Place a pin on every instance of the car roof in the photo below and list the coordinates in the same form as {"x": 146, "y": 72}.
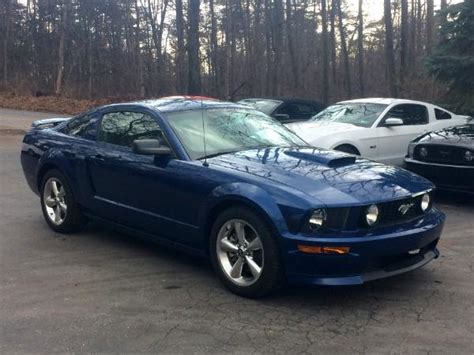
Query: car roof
{"x": 283, "y": 99}
{"x": 179, "y": 103}
{"x": 384, "y": 101}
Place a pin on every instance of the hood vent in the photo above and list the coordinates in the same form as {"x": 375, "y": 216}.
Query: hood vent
{"x": 329, "y": 158}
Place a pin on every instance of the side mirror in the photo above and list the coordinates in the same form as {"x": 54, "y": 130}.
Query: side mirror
{"x": 393, "y": 122}
{"x": 150, "y": 147}
{"x": 281, "y": 116}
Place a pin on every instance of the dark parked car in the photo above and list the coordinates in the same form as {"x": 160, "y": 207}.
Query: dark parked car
{"x": 286, "y": 110}
{"x": 249, "y": 194}
{"x": 446, "y": 157}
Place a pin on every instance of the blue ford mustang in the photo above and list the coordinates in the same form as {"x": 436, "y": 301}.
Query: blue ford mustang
{"x": 262, "y": 204}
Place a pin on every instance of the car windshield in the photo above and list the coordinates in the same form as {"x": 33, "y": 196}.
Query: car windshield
{"x": 358, "y": 114}
{"x": 265, "y": 105}
{"x": 229, "y": 130}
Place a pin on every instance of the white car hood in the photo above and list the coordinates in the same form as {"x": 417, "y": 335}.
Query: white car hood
{"x": 311, "y": 131}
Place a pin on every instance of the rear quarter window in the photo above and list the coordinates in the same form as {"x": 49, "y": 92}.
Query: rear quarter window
{"x": 442, "y": 115}
{"x": 82, "y": 126}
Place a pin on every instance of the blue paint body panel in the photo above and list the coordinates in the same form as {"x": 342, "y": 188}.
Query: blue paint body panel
{"x": 176, "y": 199}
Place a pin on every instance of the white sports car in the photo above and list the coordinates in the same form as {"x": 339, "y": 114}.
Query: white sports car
{"x": 375, "y": 128}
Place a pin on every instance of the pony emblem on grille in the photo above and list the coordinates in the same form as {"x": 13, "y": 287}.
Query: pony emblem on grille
{"x": 403, "y": 209}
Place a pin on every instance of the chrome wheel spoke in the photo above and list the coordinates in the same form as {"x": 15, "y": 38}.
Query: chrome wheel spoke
{"x": 50, "y": 202}
{"x": 240, "y": 231}
{"x": 63, "y": 207}
{"x": 57, "y": 214}
{"x": 253, "y": 266}
{"x": 228, "y": 246}
{"x": 236, "y": 270}
{"x": 255, "y": 244}
{"x": 54, "y": 188}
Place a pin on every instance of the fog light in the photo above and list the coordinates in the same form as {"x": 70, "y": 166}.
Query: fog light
{"x": 424, "y": 152}
{"x": 372, "y": 215}
{"x": 312, "y": 249}
{"x": 468, "y": 156}
{"x": 425, "y": 202}
{"x": 317, "y": 219}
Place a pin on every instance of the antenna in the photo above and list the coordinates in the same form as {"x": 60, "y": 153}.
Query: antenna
{"x": 205, "y": 163}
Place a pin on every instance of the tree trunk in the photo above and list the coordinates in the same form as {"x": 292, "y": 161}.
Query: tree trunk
{"x": 345, "y": 55}
{"x": 429, "y": 26}
{"x": 332, "y": 21}
{"x": 389, "y": 53}
{"x": 213, "y": 49}
{"x": 6, "y": 42}
{"x": 180, "y": 68}
{"x": 62, "y": 38}
{"x": 194, "y": 81}
{"x": 295, "y": 82}
{"x": 403, "y": 42}
{"x": 138, "y": 54}
{"x": 360, "y": 49}
{"x": 325, "y": 81}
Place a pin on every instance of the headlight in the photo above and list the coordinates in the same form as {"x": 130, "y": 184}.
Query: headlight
{"x": 468, "y": 156}
{"x": 372, "y": 215}
{"x": 317, "y": 219}
{"x": 425, "y": 202}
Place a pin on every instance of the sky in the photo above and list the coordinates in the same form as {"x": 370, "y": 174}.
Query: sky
{"x": 373, "y": 9}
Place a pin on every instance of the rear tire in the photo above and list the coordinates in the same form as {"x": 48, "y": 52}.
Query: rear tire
{"x": 245, "y": 254}
{"x": 60, "y": 210}
{"x": 347, "y": 148}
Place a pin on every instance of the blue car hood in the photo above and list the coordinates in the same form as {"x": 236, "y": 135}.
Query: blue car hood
{"x": 334, "y": 178}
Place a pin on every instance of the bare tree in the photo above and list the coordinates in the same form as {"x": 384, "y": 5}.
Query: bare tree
{"x": 360, "y": 48}
{"x": 389, "y": 52}
{"x": 194, "y": 78}
{"x": 325, "y": 81}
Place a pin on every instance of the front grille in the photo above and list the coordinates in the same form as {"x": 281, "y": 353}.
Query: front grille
{"x": 443, "y": 154}
{"x": 392, "y": 212}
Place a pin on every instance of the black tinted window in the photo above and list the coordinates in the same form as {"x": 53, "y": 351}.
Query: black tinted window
{"x": 410, "y": 114}
{"x": 83, "y": 126}
{"x": 442, "y": 115}
{"x": 122, "y": 128}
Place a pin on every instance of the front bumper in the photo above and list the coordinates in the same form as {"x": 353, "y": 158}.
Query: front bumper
{"x": 383, "y": 253}
{"x": 451, "y": 177}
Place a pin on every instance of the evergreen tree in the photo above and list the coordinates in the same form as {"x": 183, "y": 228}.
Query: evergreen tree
{"x": 452, "y": 61}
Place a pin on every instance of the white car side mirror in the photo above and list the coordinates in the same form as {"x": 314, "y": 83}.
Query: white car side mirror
{"x": 393, "y": 122}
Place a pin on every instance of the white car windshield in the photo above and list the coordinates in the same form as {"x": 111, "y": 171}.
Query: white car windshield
{"x": 229, "y": 130}
{"x": 359, "y": 114}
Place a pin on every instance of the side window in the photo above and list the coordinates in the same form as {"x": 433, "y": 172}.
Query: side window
{"x": 122, "y": 128}
{"x": 83, "y": 126}
{"x": 411, "y": 114}
{"x": 442, "y": 115}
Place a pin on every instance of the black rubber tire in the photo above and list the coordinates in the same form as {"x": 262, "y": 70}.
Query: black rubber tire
{"x": 75, "y": 220}
{"x": 347, "y": 148}
{"x": 273, "y": 275}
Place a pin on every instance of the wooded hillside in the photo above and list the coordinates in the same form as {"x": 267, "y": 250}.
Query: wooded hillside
{"x": 322, "y": 49}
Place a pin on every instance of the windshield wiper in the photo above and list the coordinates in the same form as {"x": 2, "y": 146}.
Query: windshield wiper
{"x": 213, "y": 155}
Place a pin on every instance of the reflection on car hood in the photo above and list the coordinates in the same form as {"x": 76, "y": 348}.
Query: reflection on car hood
{"x": 458, "y": 135}
{"x": 351, "y": 181}
{"x": 311, "y": 130}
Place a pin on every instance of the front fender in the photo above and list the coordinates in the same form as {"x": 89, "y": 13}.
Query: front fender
{"x": 223, "y": 196}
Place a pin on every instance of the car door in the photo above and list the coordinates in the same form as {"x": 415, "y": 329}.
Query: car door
{"x": 141, "y": 191}
{"x": 393, "y": 140}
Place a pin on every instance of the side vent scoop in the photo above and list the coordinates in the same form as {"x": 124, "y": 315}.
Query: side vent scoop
{"x": 329, "y": 158}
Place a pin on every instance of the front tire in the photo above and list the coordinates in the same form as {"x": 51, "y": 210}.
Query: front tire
{"x": 245, "y": 254}
{"x": 60, "y": 210}
{"x": 347, "y": 148}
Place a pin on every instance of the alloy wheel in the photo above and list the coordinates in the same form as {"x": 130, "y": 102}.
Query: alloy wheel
{"x": 240, "y": 252}
{"x": 54, "y": 201}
